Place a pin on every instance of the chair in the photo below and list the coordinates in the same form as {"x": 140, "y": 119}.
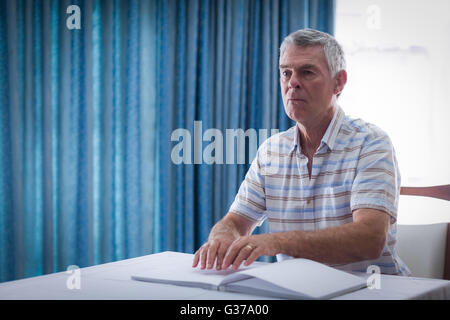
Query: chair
{"x": 426, "y": 248}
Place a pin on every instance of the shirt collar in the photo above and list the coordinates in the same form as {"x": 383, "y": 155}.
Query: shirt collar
{"x": 330, "y": 135}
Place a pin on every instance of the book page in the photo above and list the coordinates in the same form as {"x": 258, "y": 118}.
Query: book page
{"x": 256, "y": 286}
{"x": 305, "y": 277}
{"x": 176, "y": 268}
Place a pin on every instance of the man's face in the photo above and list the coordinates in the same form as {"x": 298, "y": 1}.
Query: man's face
{"x": 307, "y": 87}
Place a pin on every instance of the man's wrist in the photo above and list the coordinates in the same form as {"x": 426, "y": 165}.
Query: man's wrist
{"x": 223, "y": 229}
{"x": 277, "y": 241}
{"x": 287, "y": 242}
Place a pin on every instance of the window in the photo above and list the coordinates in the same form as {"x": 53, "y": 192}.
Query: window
{"x": 399, "y": 79}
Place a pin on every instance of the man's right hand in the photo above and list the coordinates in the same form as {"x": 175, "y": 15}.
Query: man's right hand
{"x": 222, "y": 235}
{"x": 212, "y": 252}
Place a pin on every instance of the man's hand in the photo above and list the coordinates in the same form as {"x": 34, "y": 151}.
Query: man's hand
{"x": 214, "y": 249}
{"x": 225, "y": 252}
{"x": 249, "y": 248}
{"x": 222, "y": 235}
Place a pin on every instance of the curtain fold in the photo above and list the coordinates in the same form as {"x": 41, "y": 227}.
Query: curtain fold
{"x": 87, "y": 117}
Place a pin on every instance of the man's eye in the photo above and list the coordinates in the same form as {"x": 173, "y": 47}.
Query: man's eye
{"x": 285, "y": 73}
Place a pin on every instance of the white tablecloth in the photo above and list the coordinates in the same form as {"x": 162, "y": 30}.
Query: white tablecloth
{"x": 113, "y": 281}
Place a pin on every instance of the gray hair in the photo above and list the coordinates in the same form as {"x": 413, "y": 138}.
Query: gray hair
{"x": 310, "y": 37}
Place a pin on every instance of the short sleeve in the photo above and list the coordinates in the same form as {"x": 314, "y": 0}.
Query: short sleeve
{"x": 250, "y": 200}
{"x": 377, "y": 181}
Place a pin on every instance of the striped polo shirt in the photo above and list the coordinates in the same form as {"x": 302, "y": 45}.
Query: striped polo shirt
{"x": 354, "y": 167}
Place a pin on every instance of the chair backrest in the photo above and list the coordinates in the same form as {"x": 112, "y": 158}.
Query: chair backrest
{"x": 439, "y": 192}
{"x": 434, "y": 258}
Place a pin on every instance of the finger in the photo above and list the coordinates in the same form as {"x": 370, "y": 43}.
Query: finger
{"x": 211, "y": 256}
{"x": 232, "y": 252}
{"x": 203, "y": 256}
{"x": 221, "y": 251}
{"x": 229, "y": 255}
{"x": 196, "y": 258}
{"x": 244, "y": 253}
{"x": 252, "y": 258}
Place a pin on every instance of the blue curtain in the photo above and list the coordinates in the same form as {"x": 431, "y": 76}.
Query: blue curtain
{"x": 86, "y": 117}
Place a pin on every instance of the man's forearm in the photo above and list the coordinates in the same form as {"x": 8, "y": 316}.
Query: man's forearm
{"x": 338, "y": 245}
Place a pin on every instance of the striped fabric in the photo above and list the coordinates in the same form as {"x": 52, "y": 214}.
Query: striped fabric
{"x": 354, "y": 167}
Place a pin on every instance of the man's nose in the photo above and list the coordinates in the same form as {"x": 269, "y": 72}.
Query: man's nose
{"x": 294, "y": 82}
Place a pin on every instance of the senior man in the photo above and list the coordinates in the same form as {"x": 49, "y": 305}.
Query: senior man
{"x": 328, "y": 186}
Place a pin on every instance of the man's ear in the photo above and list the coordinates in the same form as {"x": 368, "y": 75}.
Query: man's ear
{"x": 340, "y": 80}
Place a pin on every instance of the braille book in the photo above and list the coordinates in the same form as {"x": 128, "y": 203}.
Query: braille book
{"x": 289, "y": 279}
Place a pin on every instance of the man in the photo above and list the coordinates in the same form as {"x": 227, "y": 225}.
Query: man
{"x": 329, "y": 186}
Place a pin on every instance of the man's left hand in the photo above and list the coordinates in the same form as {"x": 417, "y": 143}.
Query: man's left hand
{"x": 249, "y": 248}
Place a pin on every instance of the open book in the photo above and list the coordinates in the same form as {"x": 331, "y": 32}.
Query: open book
{"x": 289, "y": 279}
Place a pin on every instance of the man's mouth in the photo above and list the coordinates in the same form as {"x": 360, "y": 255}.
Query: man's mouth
{"x": 295, "y": 99}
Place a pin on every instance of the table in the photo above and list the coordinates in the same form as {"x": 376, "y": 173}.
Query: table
{"x": 112, "y": 281}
